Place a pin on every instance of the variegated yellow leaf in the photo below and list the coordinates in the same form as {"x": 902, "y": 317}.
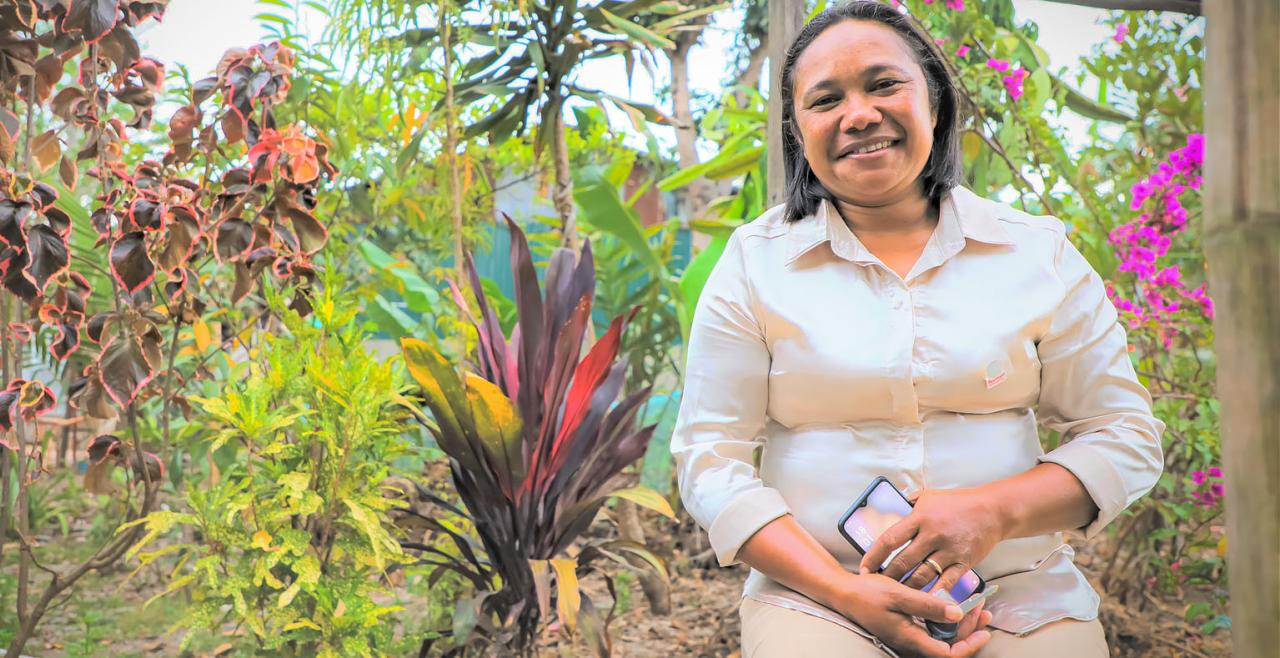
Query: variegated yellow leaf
{"x": 568, "y": 597}
{"x": 646, "y": 497}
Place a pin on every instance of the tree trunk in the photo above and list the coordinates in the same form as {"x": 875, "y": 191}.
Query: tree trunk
{"x": 1242, "y": 244}
{"x": 750, "y": 76}
{"x": 785, "y": 19}
{"x": 695, "y": 196}
{"x": 562, "y": 196}
{"x": 451, "y": 142}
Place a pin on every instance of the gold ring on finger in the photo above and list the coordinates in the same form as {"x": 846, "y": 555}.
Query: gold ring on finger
{"x": 933, "y": 565}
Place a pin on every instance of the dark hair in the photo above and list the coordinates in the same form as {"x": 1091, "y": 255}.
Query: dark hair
{"x": 944, "y": 168}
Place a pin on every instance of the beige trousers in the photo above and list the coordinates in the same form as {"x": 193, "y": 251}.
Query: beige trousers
{"x": 770, "y": 631}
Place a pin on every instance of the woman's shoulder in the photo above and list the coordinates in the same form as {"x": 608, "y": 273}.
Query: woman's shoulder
{"x": 1022, "y": 227}
{"x": 770, "y": 223}
{"x": 762, "y": 231}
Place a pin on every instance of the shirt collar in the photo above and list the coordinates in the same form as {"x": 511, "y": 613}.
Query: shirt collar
{"x": 962, "y": 215}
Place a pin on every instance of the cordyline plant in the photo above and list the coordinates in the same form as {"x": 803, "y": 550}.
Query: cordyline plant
{"x": 535, "y": 436}
{"x": 149, "y": 253}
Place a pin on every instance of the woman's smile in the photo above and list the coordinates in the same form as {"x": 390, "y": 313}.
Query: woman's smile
{"x": 871, "y": 152}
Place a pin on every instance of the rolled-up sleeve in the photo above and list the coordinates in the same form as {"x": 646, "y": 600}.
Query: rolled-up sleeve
{"x": 1090, "y": 393}
{"x": 722, "y": 412}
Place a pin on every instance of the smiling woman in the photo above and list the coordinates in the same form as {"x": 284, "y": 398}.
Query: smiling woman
{"x": 886, "y": 321}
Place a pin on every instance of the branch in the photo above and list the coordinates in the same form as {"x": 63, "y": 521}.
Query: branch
{"x": 1182, "y": 6}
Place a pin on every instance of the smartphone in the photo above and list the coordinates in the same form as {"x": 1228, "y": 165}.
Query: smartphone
{"x": 880, "y": 506}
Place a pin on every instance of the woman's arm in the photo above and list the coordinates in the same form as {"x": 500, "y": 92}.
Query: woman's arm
{"x": 786, "y": 552}
{"x": 1048, "y": 498}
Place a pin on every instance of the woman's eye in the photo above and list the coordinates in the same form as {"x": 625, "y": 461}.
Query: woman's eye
{"x": 825, "y": 100}
{"x": 885, "y": 84}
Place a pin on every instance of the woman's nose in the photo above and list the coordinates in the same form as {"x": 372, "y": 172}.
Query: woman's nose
{"x": 859, "y": 113}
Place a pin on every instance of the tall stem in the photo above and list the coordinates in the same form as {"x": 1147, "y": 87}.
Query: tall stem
{"x": 451, "y": 139}
{"x": 563, "y": 194}
{"x": 5, "y": 467}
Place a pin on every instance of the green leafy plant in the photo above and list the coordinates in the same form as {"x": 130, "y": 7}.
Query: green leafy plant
{"x": 294, "y": 537}
{"x": 535, "y": 435}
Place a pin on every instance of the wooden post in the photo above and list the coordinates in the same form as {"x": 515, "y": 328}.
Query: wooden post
{"x": 1242, "y": 247}
{"x": 785, "y": 19}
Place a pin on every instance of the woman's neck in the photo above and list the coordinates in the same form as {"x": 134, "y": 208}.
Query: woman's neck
{"x": 909, "y": 215}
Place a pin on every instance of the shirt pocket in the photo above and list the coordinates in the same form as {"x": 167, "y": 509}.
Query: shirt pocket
{"x": 981, "y": 376}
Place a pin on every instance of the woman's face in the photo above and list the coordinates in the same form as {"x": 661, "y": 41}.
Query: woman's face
{"x": 858, "y": 87}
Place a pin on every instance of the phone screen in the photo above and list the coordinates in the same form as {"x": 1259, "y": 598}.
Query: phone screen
{"x": 884, "y": 507}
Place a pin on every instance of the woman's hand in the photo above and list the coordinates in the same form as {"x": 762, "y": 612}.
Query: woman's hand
{"x": 885, "y": 609}
{"x": 954, "y": 528}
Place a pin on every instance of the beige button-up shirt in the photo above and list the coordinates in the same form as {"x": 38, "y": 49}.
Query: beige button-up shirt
{"x": 806, "y": 347}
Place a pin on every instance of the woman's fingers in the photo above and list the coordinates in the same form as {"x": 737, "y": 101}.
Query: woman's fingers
{"x": 907, "y": 559}
{"x": 921, "y": 576}
{"x": 971, "y": 622}
{"x": 918, "y": 604}
{"x": 894, "y": 536}
{"x": 951, "y": 574}
{"x": 971, "y": 645}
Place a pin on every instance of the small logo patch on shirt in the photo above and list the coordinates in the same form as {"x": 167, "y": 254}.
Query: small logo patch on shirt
{"x": 995, "y": 374}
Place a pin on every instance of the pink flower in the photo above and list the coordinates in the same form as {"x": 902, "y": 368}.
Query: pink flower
{"x": 1122, "y": 31}
{"x": 1197, "y": 477}
{"x": 1215, "y": 472}
{"x": 1218, "y": 489}
{"x": 962, "y": 51}
{"x": 1013, "y": 82}
{"x": 998, "y": 64}
{"x": 957, "y": 5}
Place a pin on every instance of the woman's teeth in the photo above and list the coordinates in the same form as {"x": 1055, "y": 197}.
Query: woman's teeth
{"x": 873, "y": 148}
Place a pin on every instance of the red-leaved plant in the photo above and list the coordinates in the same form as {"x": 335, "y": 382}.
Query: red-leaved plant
{"x": 110, "y": 295}
{"x": 535, "y": 435}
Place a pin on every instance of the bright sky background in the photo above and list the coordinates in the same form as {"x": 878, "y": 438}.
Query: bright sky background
{"x": 196, "y": 32}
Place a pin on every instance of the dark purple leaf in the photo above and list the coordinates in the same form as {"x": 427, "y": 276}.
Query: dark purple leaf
{"x": 16, "y": 278}
{"x": 203, "y": 89}
{"x": 123, "y": 369}
{"x": 44, "y": 195}
{"x": 102, "y": 447}
{"x": 12, "y": 218}
{"x": 146, "y": 215}
{"x": 92, "y": 18}
{"x": 59, "y": 220}
{"x": 48, "y": 254}
{"x": 311, "y": 233}
{"x": 67, "y": 343}
{"x": 103, "y": 219}
{"x": 130, "y": 264}
{"x": 235, "y": 236}
{"x": 183, "y": 233}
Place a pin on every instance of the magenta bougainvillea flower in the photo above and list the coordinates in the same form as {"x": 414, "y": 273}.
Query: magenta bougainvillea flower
{"x": 1140, "y": 244}
{"x": 962, "y": 51}
{"x": 957, "y": 5}
{"x": 1013, "y": 82}
{"x": 998, "y": 64}
{"x": 1122, "y": 31}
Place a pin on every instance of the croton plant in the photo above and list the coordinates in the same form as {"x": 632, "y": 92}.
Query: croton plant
{"x": 535, "y": 435}
{"x": 112, "y": 247}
